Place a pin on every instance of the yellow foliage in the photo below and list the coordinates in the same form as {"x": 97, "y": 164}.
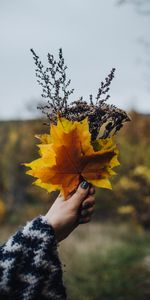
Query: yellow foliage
{"x": 125, "y": 210}
{"x": 147, "y": 200}
{"x": 126, "y": 183}
{"x": 142, "y": 171}
{"x": 68, "y": 156}
{"x": 13, "y": 137}
{"x": 2, "y": 210}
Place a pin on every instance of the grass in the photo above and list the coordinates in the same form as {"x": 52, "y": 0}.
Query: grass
{"x": 104, "y": 261}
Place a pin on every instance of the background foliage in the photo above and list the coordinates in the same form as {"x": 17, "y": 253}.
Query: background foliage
{"x": 131, "y": 188}
{"x": 110, "y": 257}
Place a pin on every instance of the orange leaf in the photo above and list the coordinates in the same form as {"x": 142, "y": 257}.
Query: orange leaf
{"x": 69, "y": 157}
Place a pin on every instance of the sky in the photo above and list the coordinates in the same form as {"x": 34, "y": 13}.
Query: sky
{"x": 94, "y": 35}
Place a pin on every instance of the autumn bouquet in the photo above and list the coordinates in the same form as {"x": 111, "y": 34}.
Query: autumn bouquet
{"x": 80, "y": 144}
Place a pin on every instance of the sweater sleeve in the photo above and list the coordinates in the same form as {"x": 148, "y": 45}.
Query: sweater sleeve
{"x": 29, "y": 264}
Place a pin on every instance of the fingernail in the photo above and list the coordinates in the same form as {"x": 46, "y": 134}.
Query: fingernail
{"x": 86, "y": 205}
{"x": 84, "y": 185}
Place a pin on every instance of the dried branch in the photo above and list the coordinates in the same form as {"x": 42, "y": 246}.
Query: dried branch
{"x": 55, "y": 88}
{"x": 105, "y": 87}
{"x": 53, "y": 82}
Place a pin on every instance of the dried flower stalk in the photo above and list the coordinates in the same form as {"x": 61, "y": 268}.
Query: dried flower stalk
{"x": 104, "y": 119}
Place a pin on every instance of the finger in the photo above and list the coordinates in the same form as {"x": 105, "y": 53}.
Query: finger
{"x": 88, "y": 202}
{"x": 70, "y": 195}
{"x": 80, "y": 194}
{"x": 84, "y": 220}
{"x": 87, "y": 212}
{"x": 92, "y": 190}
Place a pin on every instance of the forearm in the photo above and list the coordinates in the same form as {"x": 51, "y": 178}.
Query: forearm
{"x": 29, "y": 264}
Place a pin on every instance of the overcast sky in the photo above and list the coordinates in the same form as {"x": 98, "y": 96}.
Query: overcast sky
{"x": 95, "y": 36}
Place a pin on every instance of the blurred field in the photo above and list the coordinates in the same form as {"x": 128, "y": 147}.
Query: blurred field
{"x": 110, "y": 257}
{"x": 107, "y": 261}
{"x": 130, "y": 198}
{"x": 104, "y": 261}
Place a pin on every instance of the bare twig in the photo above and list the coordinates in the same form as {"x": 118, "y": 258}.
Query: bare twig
{"x": 55, "y": 88}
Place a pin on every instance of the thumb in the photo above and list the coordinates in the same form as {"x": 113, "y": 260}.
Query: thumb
{"x": 80, "y": 193}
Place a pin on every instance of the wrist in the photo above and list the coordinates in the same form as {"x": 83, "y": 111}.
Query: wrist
{"x": 51, "y": 222}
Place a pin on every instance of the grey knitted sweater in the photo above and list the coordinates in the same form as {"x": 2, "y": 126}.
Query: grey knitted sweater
{"x": 29, "y": 264}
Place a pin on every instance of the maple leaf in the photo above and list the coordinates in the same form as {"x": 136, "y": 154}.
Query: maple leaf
{"x": 68, "y": 156}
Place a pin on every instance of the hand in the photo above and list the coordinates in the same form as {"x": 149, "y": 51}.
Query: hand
{"x": 66, "y": 215}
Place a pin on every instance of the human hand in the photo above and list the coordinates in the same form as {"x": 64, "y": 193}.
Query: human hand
{"x": 66, "y": 215}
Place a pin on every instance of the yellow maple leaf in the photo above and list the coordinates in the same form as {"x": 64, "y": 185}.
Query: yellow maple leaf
{"x": 68, "y": 157}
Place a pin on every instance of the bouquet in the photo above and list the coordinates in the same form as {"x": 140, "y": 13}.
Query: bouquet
{"x": 80, "y": 144}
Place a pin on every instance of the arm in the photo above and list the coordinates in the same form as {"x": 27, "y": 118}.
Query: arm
{"x": 29, "y": 264}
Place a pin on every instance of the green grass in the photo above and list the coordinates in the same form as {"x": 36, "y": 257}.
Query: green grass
{"x": 116, "y": 270}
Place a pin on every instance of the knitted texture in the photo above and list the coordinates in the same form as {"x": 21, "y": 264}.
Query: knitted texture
{"x": 29, "y": 264}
